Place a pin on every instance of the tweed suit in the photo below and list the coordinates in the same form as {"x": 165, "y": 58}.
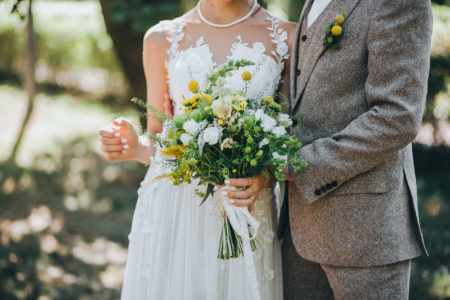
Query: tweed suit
{"x": 356, "y": 204}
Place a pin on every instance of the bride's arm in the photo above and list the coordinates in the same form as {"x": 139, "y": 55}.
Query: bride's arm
{"x": 154, "y": 58}
{"x": 120, "y": 141}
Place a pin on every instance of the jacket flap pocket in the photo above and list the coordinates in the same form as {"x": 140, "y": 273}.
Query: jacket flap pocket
{"x": 372, "y": 182}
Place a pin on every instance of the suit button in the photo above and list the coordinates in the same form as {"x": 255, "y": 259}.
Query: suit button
{"x": 334, "y": 183}
{"x": 298, "y": 72}
{"x": 329, "y": 186}
{"x": 317, "y": 192}
{"x": 304, "y": 38}
{"x": 323, "y": 189}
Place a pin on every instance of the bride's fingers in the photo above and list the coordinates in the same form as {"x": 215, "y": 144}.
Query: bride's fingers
{"x": 241, "y": 202}
{"x": 111, "y": 141}
{"x": 238, "y": 194}
{"x": 107, "y": 132}
{"x": 113, "y": 148}
{"x": 239, "y": 182}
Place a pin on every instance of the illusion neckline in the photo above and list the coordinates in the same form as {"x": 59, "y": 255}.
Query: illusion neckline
{"x": 201, "y": 43}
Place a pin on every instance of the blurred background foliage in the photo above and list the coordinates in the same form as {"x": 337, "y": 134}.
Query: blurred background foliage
{"x": 65, "y": 213}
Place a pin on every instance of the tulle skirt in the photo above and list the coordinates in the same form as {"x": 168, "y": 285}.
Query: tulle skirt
{"x": 174, "y": 242}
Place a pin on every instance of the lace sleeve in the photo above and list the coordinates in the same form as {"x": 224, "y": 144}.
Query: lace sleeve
{"x": 279, "y": 38}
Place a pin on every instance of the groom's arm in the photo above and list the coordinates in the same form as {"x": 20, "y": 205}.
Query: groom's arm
{"x": 398, "y": 64}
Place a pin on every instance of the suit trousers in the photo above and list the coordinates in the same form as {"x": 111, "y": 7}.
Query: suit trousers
{"x": 307, "y": 280}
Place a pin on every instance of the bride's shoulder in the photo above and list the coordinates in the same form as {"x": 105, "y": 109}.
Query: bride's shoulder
{"x": 161, "y": 33}
{"x": 289, "y": 27}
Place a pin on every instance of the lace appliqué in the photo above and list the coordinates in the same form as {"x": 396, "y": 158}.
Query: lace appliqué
{"x": 280, "y": 37}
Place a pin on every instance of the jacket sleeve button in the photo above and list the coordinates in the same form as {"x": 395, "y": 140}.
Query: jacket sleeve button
{"x": 328, "y": 186}
{"x": 317, "y": 192}
{"x": 334, "y": 183}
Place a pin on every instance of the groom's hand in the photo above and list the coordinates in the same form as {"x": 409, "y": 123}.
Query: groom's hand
{"x": 250, "y": 189}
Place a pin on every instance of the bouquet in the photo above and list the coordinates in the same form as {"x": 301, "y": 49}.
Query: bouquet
{"x": 223, "y": 134}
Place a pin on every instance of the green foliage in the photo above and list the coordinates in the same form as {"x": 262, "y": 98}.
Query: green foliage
{"x": 437, "y": 82}
{"x": 142, "y": 14}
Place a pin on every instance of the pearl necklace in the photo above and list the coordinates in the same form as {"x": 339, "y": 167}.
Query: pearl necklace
{"x": 200, "y": 14}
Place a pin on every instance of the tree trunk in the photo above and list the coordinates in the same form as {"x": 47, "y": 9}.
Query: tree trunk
{"x": 29, "y": 79}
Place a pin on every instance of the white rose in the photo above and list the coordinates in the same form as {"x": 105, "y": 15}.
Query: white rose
{"x": 285, "y": 120}
{"x": 186, "y": 138}
{"x": 264, "y": 142}
{"x": 191, "y": 127}
{"x": 279, "y": 131}
{"x": 268, "y": 123}
{"x": 258, "y": 114}
{"x": 222, "y": 107}
{"x": 275, "y": 155}
{"x": 211, "y": 135}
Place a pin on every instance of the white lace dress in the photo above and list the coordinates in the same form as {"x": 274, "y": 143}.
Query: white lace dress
{"x": 173, "y": 241}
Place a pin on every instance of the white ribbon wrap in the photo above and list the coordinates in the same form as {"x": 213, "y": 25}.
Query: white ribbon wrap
{"x": 246, "y": 226}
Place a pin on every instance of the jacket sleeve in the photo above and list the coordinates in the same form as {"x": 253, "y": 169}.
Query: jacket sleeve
{"x": 398, "y": 46}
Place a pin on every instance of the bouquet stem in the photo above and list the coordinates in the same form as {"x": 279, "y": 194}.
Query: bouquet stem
{"x": 231, "y": 244}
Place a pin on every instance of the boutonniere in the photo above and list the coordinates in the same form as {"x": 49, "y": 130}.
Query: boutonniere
{"x": 334, "y": 32}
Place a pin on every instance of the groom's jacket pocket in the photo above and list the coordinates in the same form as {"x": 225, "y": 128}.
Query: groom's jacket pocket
{"x": 372, "y": 182}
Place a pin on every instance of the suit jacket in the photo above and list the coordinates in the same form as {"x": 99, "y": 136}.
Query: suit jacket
{"x": 356, "y": 204}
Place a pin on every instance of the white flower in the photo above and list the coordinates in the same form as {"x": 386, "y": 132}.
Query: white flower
{"x": 186, "y": 138}
{"x": 282, "y": 49}
{"x": 211, "y": 135}
{"x": 285, "y": 120}
{"x": 268, "y": 123}
{"x": 279, "y": 131}
{"x": 275, "y": 155}
{"x": 191, "y": 127}
{"x": 264, "y": 142}
{"x": 258, "y": 114}
{"x": 222, "y": 107}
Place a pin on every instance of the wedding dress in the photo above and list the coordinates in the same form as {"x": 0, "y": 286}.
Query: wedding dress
{"x": 173, "y": 244}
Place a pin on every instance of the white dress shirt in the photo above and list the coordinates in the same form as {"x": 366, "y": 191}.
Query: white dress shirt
{"x": 317, "y": 7}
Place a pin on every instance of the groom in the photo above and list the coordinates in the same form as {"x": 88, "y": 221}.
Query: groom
{"x": 352, "y": 223}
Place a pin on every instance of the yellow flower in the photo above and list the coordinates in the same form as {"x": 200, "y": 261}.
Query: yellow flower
{"x": 234, "y": 170}
{"x": 336, "y": 30}
{"x": 175, "y": 151}
{"x": 186, "y": 102}
{"x": 339, "y": 19}
{"x": 196, "y": 97}
{"x": 268, "y": 99}
{"x": 246, "y": 76}
{"x": 193, "y": 86}
{"x": 208, "y": 99}
{"x": 206, "y": 108}
{"x": 194, "y": 105}
{"x": 221, "y": 122}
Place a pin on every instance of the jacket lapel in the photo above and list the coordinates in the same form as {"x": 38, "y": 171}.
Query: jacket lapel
{"x": 316, "y": 47}
{"x": 295, "y": 51}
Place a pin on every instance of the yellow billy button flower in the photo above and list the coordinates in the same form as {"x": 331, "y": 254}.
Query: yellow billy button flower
{"x": 336, "y": 30}
{"x": 268, "y": 99}
{"x": 208, "y": 99}
{"x": 339, "y": 19}
{"x": 234, "y": 170}
{"x": 193, "y": 86}
{"x": 221, "y": 122}
{"x": 246, "y": 76}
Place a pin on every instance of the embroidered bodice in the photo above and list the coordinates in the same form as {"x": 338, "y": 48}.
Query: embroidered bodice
{"x": 196, "y": 61}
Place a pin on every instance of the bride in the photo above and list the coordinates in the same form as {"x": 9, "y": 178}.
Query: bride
{"x": 173, "y": 243}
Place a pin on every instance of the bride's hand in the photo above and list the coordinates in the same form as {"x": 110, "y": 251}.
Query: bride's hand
{"x": 251, "y": 187}
{"x": 119, "y": 141}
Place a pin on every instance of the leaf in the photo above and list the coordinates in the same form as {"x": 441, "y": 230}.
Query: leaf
{"x": 209, "y": 191}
